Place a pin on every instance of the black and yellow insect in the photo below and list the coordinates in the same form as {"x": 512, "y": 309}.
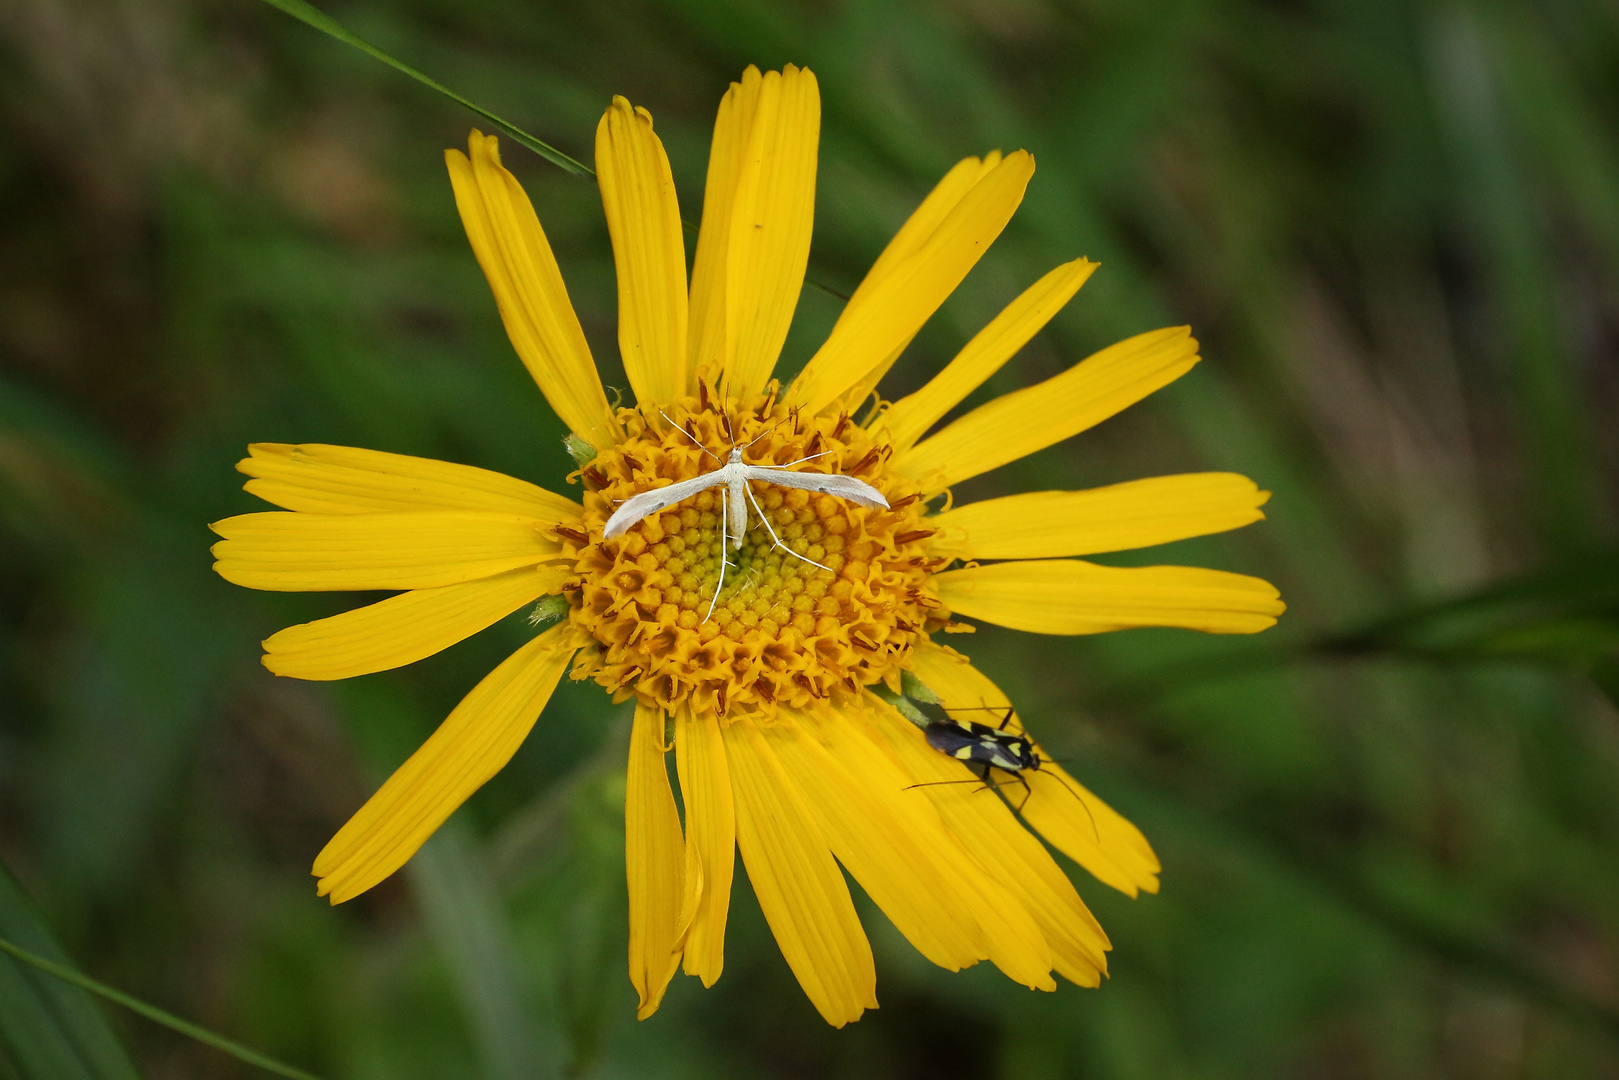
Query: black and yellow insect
{"x": 980, "y": 747}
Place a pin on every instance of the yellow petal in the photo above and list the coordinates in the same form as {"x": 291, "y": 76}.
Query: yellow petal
{"x": 705, "y": 787}
{"x": 1067, "y": 596}
{"x": 320, "y": 479}
{"x": 1048, "y": 524}
{"x": 709, "y": 347}
{"x": 405, "y": 628}
{"x": 472, "y": 745}
{"x": 799, "y": 885}
{"x": 288, "y": 552}
{"x": 1111, "y": 847}
{"x": 900, "y": 858}
{"x": 771, "y": 222}
{"x": 924, "y": 851}
{"x": 764, "y": 234}
{"x": 1009, "y": 854}
{"x": 652, "y": 856}
{"x": 643, "y": 219}
{"x": 909, "y": 418}
{"x": 925, "y": 220}
{"x": 899, "y": 295}
{"x": 533, "y": 302}
{"x": 1017, "y": 424}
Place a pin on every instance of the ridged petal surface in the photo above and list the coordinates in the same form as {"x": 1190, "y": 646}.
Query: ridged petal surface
{"x": 1017, "y": 424}
{"x": 1141, "y": 513}
{"x": 516, "y": 258}
{"x": 292, "y": 552}
{"x": 405, "y": 628}
{"x": 649, "y": 252}
{"x": 1067, "y": 596}
{"x": 474, "y": 742}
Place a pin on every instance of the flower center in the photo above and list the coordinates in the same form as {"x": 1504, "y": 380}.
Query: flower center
{"x": 821, "y": 598}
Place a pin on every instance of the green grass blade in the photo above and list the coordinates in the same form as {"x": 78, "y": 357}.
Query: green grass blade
{"x": 469, "y": 924}
{"x": 313, "y": 16}
{"x": 151, "y": 1012}
{"x": 49, "y": 1031}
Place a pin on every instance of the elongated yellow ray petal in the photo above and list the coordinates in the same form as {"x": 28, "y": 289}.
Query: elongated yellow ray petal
{"x": 1017, "y": 424}
{"x": 899, "y": 859}
{"x": 921, "y": 225}
{"x": 1008, "y": 852}
{"x": 288, "y": 552}
{"x": 709, "y": 348}
{"x": 705, "y": 787}
{"x": 1010, "y": 935}
{"x": 474, "y": 742}
{"x": 1083, "y": 827}
{"x": 405, "y": 628}
{"x": 771, "y": 222}
{"x": 516, "y": 259}
{"x": 901, "y": 295}
{"x": 320, "y": 479}
{"x": 925, "y": 220}
{"x": 652, "y": 857}
{"x": 909, "y": 418}
{"x": 643, "y": 219}
{"x": 1067, "y": 596}
{"x": 1141, "y": 513}
{"x": 799, "y": 885}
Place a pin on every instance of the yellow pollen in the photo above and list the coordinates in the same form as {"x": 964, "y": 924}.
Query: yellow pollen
{"x": 781, "y": 631}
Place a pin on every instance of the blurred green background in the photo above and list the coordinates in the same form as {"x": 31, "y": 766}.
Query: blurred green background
{"x": 1389, "y": 827}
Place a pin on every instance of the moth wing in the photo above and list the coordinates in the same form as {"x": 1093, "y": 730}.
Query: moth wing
{"x": 844, "y": 487}
{"x": 639, "y": 506}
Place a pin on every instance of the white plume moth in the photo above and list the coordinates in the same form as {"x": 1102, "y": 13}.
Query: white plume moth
{"x": 732, "y": 479}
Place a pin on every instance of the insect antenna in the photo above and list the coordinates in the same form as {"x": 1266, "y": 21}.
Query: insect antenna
{"x": 790, "y": 464}
{"x": 1096, "y": 833}
{"x": 765, "y": 432}
{"x": 689, "y": 435}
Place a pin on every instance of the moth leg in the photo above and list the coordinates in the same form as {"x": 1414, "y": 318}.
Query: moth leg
{"x": 725, "y": 559}
{"x": 776, "y": 540}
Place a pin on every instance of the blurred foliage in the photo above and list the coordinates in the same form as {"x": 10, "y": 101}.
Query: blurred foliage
{"x": 1389, "y": 830}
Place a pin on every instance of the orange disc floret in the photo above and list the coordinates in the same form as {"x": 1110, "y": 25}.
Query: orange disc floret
{"x": 832, "y": 602}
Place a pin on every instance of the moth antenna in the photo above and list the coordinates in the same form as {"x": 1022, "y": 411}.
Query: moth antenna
{"x": 790, "y": 464}
{"x": 688, "y": 435}
{"x": 766, "y": 431}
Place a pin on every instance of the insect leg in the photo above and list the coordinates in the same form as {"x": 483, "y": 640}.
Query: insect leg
{"x": 776, "y": 539}
{"x": 1027, "y": 791}
{"x": 725, "y": 560}
{"x": 982, "y": 784}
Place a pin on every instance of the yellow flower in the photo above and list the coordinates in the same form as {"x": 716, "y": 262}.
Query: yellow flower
{"x": 775, "y": 696}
